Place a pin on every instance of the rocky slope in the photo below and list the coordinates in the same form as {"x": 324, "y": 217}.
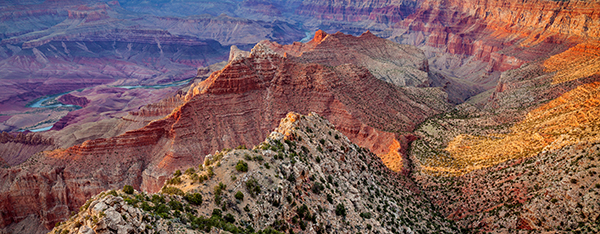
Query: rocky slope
{"x": 236, "y": 105}
{"x": 15, "y": 148}
{"x": 522, "y": 156}
{"x": 306, "y": 177}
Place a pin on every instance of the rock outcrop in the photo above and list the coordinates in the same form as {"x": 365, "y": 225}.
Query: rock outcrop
{"x": 384, "y": 12}
{"x": 15, "y": 148}
{"x": 69, "y": 99}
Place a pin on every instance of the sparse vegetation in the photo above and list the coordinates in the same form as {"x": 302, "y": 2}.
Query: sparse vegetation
{"x": 239, "y": 195}
{"x": 128, "y": 189}
{"x": 241, "y": 166}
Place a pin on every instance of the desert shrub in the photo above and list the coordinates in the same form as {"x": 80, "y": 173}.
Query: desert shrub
{"x": 340, "y": 210}
{"x": 217, "y": 213}
{"x": 194, "y": 198}
{"x": 190, "y": 171}
{"x": 157, "y": 199}
{"x": 210, "y": 171}
{"x": 241, "y": 166}
{"x": 317, "y": 188}
{"x": 302, "y": 211}
{"x": 229, "y": 218}
{"x": 175, "y": 205}
{"x": 253, "y": 187}
{"x": 177, "y": 173}
{"x": 176, "y": 180}
{"x": 128, "y": 189}
{"x": 291, "y": 178}
{"x": 330, "y": 198}
{"x": 239, "y": 195}
{"x": 172, "y": 191}
{"x": 218, "y": 192}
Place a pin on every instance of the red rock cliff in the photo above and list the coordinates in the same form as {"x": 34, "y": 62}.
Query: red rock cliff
{"x": 504, "y": 33}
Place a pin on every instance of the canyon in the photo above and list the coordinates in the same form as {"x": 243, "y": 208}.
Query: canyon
{"x": 236, "y": 105}
{"x": 488, "y": 107}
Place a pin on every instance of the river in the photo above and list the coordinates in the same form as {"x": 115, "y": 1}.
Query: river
{"x": 51, "y": 102}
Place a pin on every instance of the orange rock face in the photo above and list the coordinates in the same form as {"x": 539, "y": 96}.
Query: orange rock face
{"x": 239, "y": 104}
{"x": 577, "y": 62}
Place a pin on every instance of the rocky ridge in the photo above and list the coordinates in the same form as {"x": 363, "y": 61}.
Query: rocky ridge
{"x": 306, "y": 177}
{"x": 402, "y": 65}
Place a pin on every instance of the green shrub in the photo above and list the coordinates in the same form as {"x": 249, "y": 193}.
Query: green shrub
{"x": 330, "y": 198}
{"x": 194, "y": 198}
{"x": 253, "y": 187}
{"x": 218, "y": 191}
{"x": 172, "y": 191}
{"x": 239, "y": 195}
{"x": 177, "y": 173}
{"x": 217, "y": 213}
{"x": 241, "y": 166}
{"x": 156, "y": 199}
{"x": 175, "y": 205}
{"x": 176, "y": 180}
{"x": 365, "y": 215}
{"x": 302, "y": 211}
{"x": 190, "y": 171}
{"x": 128, "y": 189}
{"x": 258, "y": 158}
{"x": 291, "y": 178}
{"x": 210, "y": 171}
{"x": 340, "y": 210}
{"x": 317, "y": 188}
{"x": 229, "y": 218}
